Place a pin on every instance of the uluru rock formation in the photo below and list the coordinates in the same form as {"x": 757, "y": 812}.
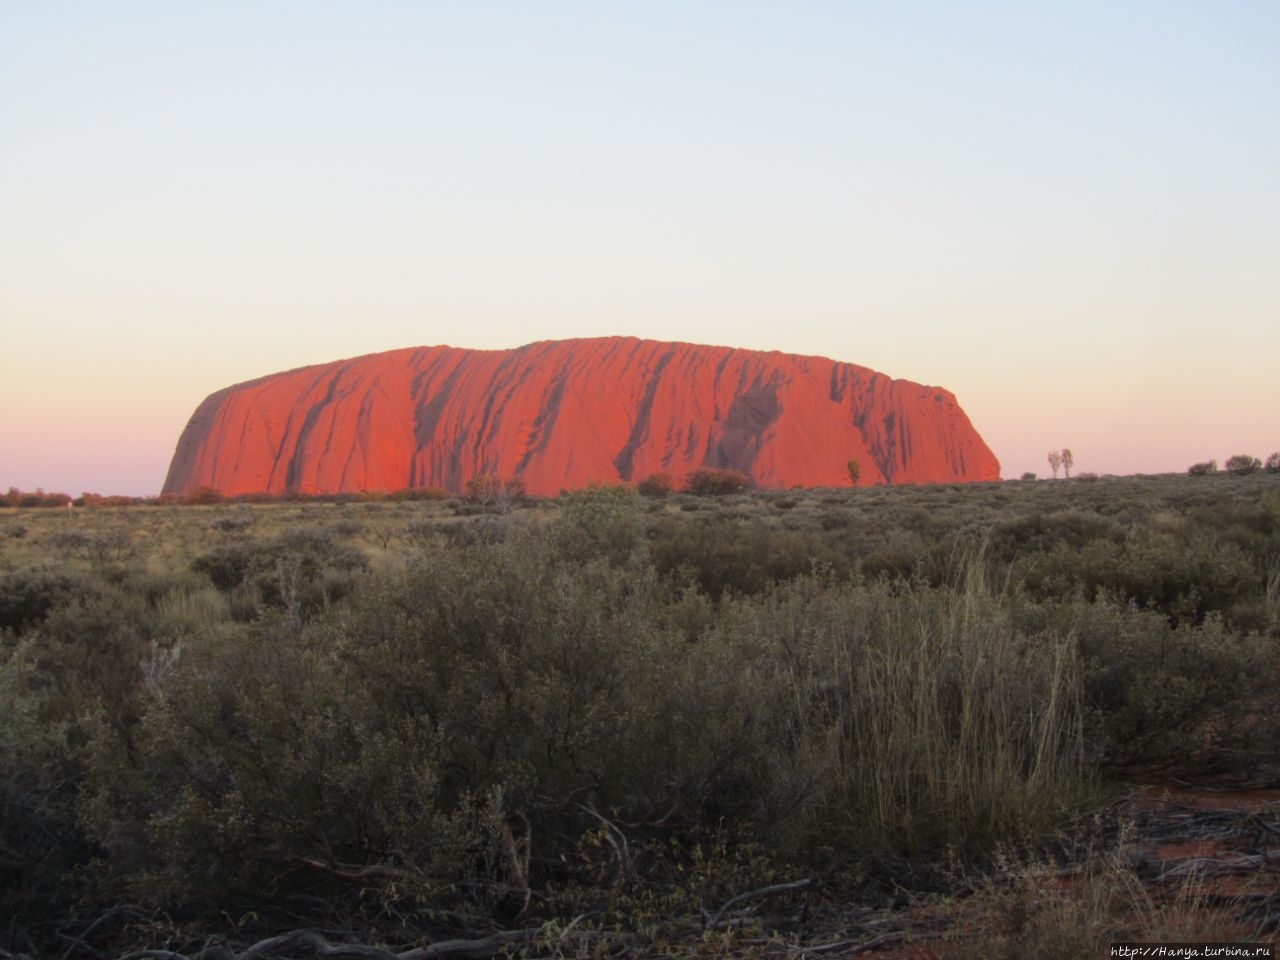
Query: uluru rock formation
{"x": 563, "y": 414}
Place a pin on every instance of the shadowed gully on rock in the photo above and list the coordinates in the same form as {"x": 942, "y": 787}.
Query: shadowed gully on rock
{"x": 562, "y": 414}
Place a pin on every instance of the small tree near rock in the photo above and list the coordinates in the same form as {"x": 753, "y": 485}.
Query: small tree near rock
{"x": 1242, "y": 464}
{"x": 202, "y": 496}
{"x": 498, "y": 493}
{"x": 1055, "y": 462}
{"x": 713, "y": 482}
{"x": 656, "y": 485}
{"x": 855, "y": 471}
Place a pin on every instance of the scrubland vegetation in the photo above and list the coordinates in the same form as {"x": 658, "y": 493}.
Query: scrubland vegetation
{"x": 584, "y": 726}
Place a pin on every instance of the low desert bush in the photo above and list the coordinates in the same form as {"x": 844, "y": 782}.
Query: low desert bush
{"x": 1242, "y": 464}
{"x": 709, "y": 481}
{"x": 408, "y": 738}
{"x": 299, "y": 571}
{"x": 40, "y": 834}
{"x": 602, "y": 522}
{"x": 495, "y": 492}
{"x": 724, "y": 555}
{"x": 97, "y": 546}
{"x": 27, "y": 596}
{"x": 203, "y": 496}
{"x": 1184, "y": 699}
{"x": 1185, "y": 575}
{"x": 656, "y": 485}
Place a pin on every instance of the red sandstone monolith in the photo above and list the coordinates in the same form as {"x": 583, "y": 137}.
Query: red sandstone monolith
{"x": 566, "y": 413}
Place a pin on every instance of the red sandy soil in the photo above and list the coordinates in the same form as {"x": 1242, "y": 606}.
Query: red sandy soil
{"x": 564, "y": 414}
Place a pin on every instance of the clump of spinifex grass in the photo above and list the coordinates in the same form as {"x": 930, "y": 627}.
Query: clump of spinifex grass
{"x": 924, "y": 720}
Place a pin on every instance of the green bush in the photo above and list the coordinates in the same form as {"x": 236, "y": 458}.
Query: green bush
{"x": 40, "y": 836}
{"x": 602, "y": 522}
{"x": 202, "y": 496}
{"x": 299, "y": 571}
{"x": 724, "y": 555}
{"x": 1188, "y": 699}
{"x": 27, "y": 596}
{"x": 1184, "y": 576}
{"x": 397, "y": 741}
{"x": 656, "y": 485}
{"x": 1242, "y": 464}
{"x": 708, "y": 481}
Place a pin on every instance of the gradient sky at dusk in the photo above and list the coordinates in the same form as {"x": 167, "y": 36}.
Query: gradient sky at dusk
{"x": 1068, "y": 214}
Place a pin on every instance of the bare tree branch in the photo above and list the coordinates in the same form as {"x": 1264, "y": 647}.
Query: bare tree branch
{"x": 772, "y": 891}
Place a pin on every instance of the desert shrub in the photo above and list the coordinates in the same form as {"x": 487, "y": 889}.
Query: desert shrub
{"x": 13, "y": 531}
{"x": 89, "y": 652}
{"x": 233, "y": 526}
{"x": 1043, "y": 532}
{"x": 656, "y": 485}
{"x": 724, "y": 555}
{"x": 347, "y": 528}
{"x": 1185, "y": 576}
{"x": 283, "y": 776}
{"x": 96, "y": 546}
{"x": 494, "y": 492}
{"x": 1242, "y": 464}
{"x": 1273, "y": 463}
{"x": 19, "y": 498}
{"x": 601, "y": 522}
{"x": 902, "y": 553}
{"x": 27, "y": 596}
{"x": 97, "y": 500}
{"x": 299, "y": 571}
{"x": 1203, "y": 469}
{"x": 1182, "y": 698}
{"x": 399, "y": 744}
{"x": 474, "y": 531}
{"x": 709, "y": 481}
{"x": 40, "y": 836}
{"x": 203, "y": 496}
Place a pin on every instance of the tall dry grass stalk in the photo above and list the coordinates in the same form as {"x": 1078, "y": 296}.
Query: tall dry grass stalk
{"x": 929, "y": 720}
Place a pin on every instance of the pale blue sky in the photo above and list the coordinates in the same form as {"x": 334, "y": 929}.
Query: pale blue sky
{"x": 1069, "y": 214}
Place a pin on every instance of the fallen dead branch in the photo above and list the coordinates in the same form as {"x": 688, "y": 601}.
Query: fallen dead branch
{"x": 712, "y": 921}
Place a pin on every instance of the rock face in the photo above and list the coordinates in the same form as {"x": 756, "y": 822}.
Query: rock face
{"x": 562, "y": 414}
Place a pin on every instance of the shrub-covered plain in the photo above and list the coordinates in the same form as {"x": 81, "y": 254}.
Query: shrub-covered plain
{"x": 426, "y": 717}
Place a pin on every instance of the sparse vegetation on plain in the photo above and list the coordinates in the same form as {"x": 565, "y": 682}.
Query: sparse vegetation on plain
{"x": 591, "y": 724}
